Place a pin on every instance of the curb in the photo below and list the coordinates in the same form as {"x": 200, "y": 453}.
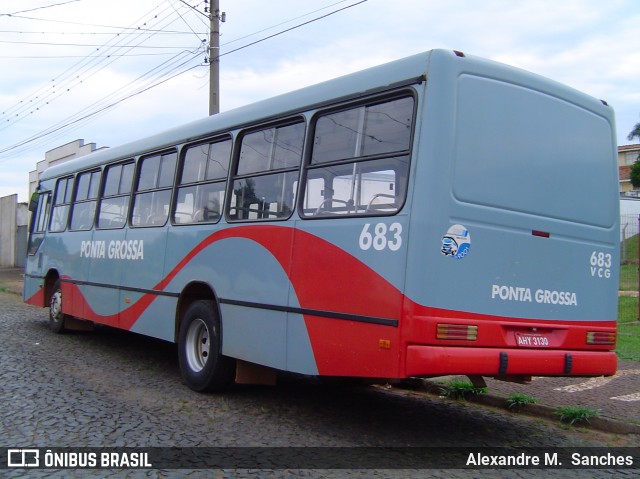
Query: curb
{"x": 602, "y": 424}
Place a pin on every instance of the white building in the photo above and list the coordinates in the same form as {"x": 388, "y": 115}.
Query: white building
{"x": 59, "y": 155}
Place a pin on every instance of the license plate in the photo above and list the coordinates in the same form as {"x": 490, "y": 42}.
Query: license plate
{"x": 526, "y": 340}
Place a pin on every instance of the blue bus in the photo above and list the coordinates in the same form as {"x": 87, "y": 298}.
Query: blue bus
{"x": 440, "y": 214}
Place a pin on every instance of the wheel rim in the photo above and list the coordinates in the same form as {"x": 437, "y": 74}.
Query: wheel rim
{"x": 197, "y": 345}
{"x": 56, "y": 307}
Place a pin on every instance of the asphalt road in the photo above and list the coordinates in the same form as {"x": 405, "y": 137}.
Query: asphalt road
{"x": 109, "y": 388}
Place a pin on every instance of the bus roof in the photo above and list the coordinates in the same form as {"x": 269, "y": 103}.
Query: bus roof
{"x": 410, "y": 69}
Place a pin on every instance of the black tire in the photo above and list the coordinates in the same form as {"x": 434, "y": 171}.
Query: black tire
{"x": 202, "y": 366}
{"x": 56, "y": 316}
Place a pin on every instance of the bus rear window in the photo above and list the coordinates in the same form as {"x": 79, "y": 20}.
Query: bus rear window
{"x": 536, "y": 154}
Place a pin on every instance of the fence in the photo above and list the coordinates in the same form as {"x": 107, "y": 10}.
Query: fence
{"x": 629, "y": 229}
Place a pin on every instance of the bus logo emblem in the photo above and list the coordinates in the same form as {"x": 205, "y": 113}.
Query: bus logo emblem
{"x": 456, "y": 242}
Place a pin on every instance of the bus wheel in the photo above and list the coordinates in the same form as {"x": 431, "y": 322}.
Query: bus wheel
{"x": 56, "y": 316}
{"x": 202, "y": 365}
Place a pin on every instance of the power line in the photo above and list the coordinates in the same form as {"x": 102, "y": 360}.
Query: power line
{"x": 140, "y": 85}
{"x": 52, "y": 57}
{"x": 290, "y": 29}
{"x": 80, "y": 44}
{"x": 155, "y": 77}
{"x": 87, "y": 67}
{"x": 90, "y": 115}
{"x": 100, "y": 107}
{"x": 67, "y": 22}
{"x": 182, "y": 18}
{"x": 65, "y": 75}
{"x": 283, "y": 23}
{"x": 132, "y": 38}
{"x": 14, "y": 14}
{"x": 67, "y": 33}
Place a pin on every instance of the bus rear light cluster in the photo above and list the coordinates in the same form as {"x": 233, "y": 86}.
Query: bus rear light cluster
{"x": 459, "y": 332}
{"x": 601, "y": 338}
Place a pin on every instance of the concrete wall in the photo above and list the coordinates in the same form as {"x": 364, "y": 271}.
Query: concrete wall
{"x": 14, "y": 218}
{"x": 8, "y": 207}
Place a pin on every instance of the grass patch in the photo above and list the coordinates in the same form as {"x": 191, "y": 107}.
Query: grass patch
{"x": 628, "y": 344}
{"x": 629, "y": 269}
{"x": 456, "y": 389}
{"x": 517, "y": 401}
{"x": 574, "y": 415}
{"x": 628, "y": 277}
{"x": 629, "y": 248}
{"x": 627, "y": 309}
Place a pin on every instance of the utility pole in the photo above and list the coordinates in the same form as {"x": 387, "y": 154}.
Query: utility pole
{"x": 215, "y": 17}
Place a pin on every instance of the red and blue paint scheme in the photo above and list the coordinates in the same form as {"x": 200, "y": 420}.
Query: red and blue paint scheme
{"x": 500, "y": 262}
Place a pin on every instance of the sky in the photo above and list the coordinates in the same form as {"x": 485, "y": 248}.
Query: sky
{"x": 110, "y": 72}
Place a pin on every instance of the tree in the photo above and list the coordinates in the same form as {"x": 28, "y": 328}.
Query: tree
{"x": 634, "y": 175}
{"x": 635, "y": 168}
{"x": 634, "y": 133}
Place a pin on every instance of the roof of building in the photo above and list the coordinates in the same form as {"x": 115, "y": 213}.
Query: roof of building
{"x": 629, "y": 147}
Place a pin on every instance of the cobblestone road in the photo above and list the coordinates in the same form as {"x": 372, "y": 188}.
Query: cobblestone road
{"x": 109, "y": 389}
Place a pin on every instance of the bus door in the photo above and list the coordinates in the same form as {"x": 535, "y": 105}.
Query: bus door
{"x": 106, "y": 270}
{"x": 80, "y": 295}
{"x": 141, "y": 254}
{"x": 40, "y": 208}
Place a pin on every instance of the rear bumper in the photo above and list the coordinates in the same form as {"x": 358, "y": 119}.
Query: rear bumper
{"x": 438, "y": 361}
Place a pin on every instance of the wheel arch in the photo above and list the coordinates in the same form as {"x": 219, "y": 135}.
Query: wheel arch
{"x": 195, "y": 291}
{"x": 49, "y": 281}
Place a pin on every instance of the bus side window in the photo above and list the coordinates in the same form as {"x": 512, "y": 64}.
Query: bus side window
{"x": 360, "y": 160}
{"x": 42, "y": 213}
{"x": 61, "y": 203}
{"x": 84, "y": 206}
{"x": 203, "y": 177}
{"x": 268, "y": 167}
{"x": 39, "y": 222}
{"x": 114, "y": 202}
{"x": 153, "y": 193}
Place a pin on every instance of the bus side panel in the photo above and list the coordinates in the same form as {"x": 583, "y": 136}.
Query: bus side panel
{"x": 247, "y": 268}
{"x": 157, "y": 318}
{"x": 76, "y": 269}
{"x": 33, "y": 291}
{"x": 102, "y": 296}
{"x": 331, "y": 273}
{"x": 33, "y": 288}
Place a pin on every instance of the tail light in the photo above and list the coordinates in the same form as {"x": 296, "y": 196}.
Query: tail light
{"x": 601, "y": 338}
{"x": 458, "y": 332}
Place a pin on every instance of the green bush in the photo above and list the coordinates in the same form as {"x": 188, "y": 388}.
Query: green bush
{"x": 457, "y": 389}
{"x": 518, "y": 400}
{"x": 575, "y": 415}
